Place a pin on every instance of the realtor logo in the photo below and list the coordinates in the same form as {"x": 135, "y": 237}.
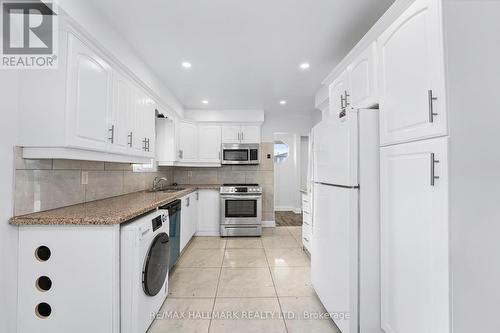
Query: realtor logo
{"x": 29, "y": 36}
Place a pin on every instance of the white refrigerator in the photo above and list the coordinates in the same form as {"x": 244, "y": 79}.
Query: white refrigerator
{"x": 345, "y": 256}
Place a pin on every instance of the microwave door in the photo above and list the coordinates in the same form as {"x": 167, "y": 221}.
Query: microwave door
{"x": 235, "y": 155}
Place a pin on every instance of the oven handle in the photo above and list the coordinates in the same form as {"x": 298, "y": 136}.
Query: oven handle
{"x": 240, "y": 197}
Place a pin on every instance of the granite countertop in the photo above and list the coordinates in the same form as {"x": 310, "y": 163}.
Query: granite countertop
{"x": 108, "y": 211}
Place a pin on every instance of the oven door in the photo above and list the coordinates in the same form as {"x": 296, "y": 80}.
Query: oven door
{"x": 241, "y": 209}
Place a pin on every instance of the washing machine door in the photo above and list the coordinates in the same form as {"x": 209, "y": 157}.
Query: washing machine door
{"x": 156, "y": 265}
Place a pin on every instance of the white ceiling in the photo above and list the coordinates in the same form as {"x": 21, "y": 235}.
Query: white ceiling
{"x": 244, "y": 54}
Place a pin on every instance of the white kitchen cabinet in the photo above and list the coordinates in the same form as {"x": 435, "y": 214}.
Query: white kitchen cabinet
{"x": 231, "y": 134}
{"x": 209, "y": 143}
{"x": 363, "y": 79}
{"x": 411, "y": 72}
{"x": 306, "y": 221}
{"x": 241, "y": 134}
{"x": 166, "y": 143}
{"x": 208, "y": 212}
{"x": 189, "y": 218}
{"x": 85, "y": 109}
{"x": 89, "y": 97}
{"x": 121, "y": 117}
{"x": 188, "y": 142}
{"x": 339, "y": 91}
{"x": 250, "y": 134}
{"x": 415, "y": 237}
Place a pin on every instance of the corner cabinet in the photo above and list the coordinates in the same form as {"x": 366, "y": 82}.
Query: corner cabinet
{"x": 415, "y": 237}
{"x": 412, "y": 78}
{"x": 86, "y": 109}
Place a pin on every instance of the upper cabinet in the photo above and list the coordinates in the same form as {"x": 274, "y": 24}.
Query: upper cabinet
{"x": 356, "y": 86}
{"x": 188, "y": 142}
{"x": 89, "y": 97}
{"x": 241, "y": 134}
{"x": 209, "y": 143}
{"x": 363, "y": 79}
{"x": 411, "y": 72}
{"x": 339, "y": 95}
{"x": 86, "y": 109}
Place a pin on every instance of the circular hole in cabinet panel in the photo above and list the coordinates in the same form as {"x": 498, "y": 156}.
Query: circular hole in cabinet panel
{"x": 43, "y": 310}
{"x": 43, "y": 283}
{"x": 42, "y": 253}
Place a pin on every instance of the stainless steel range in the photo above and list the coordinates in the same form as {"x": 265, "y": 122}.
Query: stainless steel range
{"x": 241, "y": 210}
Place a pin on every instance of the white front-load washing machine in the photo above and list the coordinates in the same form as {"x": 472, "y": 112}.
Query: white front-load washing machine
{"x": 144, "y": 254}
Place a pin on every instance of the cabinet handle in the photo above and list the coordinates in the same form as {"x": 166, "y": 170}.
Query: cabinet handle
{"x": 242, "y": 136}
{"x": 433, "y": 169}
{"x": 181, "y": 153}
{"x": 346, "y": 98}
{"x": 188, "y": 201}
{"x": 306, "y": 239}
{"x": 197, "y": 196}
{"x": 130, "y": 139}
{"x": 112, "y": 134}
{"x": 144, "y": 144}
{"x": 306, "y": 223}
{"x": 431, "y": 106}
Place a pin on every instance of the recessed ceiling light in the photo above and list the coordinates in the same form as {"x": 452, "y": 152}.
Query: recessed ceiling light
{"x": 204, "y": 101}
{"x": 304, "y": 65}
{"x": 283, "y": 102}
{"x": 186, "y": 64}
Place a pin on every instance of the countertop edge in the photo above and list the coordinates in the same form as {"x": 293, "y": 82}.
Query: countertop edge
{"x": 30, "y": 220}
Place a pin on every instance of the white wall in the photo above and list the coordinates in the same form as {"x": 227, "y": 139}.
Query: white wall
{"x": 284, "y": 123}
{"x": 90, "y": 19}
{"x": 8, "y": 233}
{"x": 287, "y": 175}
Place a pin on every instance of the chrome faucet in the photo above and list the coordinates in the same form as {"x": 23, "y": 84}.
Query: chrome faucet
{"x": 157, "y": 182}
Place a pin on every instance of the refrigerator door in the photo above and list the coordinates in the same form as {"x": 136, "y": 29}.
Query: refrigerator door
{"x": 336, "y": 150}
{"x": 334, "y": 255}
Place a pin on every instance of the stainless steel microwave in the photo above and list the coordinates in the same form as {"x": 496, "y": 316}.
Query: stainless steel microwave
{"x": 239, "y": 153}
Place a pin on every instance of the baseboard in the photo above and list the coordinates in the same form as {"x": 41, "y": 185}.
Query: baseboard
{"x": 268, "y": 224}
{"x": 288, "y": 209}
{"x": 208, "y": 233}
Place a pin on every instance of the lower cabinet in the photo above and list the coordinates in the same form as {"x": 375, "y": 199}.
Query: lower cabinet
{"x": 189, "y": 217}
{"x": 415, "y": 237}
{"x": 306, "y": 221}
{"x": 208, "y": 212}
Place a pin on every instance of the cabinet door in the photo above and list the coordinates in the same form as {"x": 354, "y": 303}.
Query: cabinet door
{"x": 362, "y": 79}
{"x": 209, "y": 143}
{"x": 231, "y": 134}
{"x": 411, "y": 71}
{"x": 338, "y": 90}
{"x": 138, "y": 119}
{"x": 250, "y": 134}
{"x": 208, "y": 213}
{"x": 150, "y": 127}
{"x": 414, "y": 237}
{"x": 121, "y": 119}
{"x": 89, "y": 97}
{"x": 185, "y": 221}
{"x": 188, "y": 142}
{"x": 195, "y": 202}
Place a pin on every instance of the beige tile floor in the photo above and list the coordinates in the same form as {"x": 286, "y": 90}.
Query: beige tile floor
{"x": 247, "y": 285}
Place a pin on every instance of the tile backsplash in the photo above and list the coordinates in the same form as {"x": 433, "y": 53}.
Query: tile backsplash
{"x": 52, "y": 183}
{"x": 48, "y": 184}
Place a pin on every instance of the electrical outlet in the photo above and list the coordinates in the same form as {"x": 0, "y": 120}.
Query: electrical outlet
{"x": 85, "y": 177}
